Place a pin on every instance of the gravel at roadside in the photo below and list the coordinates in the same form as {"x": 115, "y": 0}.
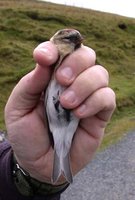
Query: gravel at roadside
{"x": 110, "y": 176}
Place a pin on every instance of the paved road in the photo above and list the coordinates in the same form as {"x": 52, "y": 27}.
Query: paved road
{"x": 110, "y": 176}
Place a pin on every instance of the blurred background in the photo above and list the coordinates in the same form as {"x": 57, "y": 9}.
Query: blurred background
{"x": 24, "y": 24}
{"x": 108, "y": 26}
{"x": 124, "y": 8}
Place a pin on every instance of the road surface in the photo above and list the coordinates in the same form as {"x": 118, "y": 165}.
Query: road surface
{"x": 110, "y": 176}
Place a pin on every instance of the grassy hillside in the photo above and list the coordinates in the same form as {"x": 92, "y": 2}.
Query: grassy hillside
{"x": 24, "y": 24}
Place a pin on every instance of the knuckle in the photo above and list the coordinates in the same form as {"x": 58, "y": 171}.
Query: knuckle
{"x": 90, "y": 55}
{"x": 93, "y": 54}
{"x": 110, "y": 99}
{"x": 101, "y": 75}
{"x": 103, "y": 71}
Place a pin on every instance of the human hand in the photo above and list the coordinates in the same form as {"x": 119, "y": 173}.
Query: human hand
{"x": 87, "y": 94}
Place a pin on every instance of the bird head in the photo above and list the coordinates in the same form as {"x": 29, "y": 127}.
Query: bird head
{"x": 68, "y": 36}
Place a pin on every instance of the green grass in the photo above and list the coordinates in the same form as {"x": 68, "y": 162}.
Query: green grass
{"x": 24, "y": 24}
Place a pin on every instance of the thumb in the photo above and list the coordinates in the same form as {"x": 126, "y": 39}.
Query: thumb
{"x": 27, "y": 92}
{"x": 45, "y": 55}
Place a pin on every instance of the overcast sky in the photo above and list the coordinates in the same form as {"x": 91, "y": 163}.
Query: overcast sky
{"x": 121, "y": 7}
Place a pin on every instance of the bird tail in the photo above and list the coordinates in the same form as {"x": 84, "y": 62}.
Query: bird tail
{"x": 61, "y": 165}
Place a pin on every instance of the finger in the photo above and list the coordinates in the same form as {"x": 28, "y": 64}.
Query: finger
{"x": 45, "y": 54}
{"x": 74, "y": 64}
{"x": 84, "y": 85}
{"x": 99, "y": 108}
{"x": 101, "y": 103}
{"x": 90, "y": 132}
{"x": 27, "y": 92}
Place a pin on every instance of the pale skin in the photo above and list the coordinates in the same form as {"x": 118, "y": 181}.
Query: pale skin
{"x": 87, "y": 94}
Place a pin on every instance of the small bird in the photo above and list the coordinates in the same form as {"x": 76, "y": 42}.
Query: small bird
{"x": 62, "y": 122}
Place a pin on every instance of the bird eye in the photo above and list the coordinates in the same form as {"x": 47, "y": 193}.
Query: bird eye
{"x": 66, "y": 40}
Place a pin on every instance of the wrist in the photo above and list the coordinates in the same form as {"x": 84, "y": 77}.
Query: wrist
{"x": 42, "y": 173}
{"x": 29, "y": 186}
{"x": 34, "y": 168}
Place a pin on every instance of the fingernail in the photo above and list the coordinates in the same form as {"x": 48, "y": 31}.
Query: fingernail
{"x": 66, "y": 73}
{"x": 82, "y": 109}
{"x": 70, "y": 97}
{"x": 45, "y": 51}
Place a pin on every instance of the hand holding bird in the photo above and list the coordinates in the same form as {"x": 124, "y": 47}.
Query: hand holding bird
{"x": 86, "y": 93}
